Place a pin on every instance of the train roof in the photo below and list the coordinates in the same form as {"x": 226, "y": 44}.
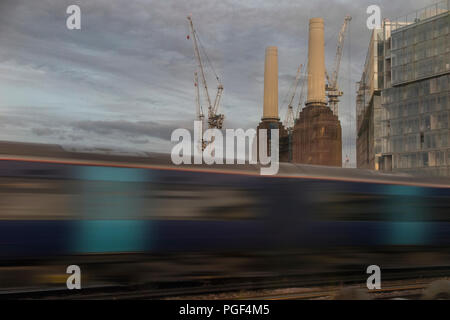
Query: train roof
{"x": 106, "y": 157}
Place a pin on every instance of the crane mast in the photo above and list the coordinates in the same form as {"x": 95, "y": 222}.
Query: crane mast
{"x": 199, "y": 111}
{"x": 289, "y": 120}
{"x": 332, "y": 88}
{"x": 215, "y": 120}
{"x": 300, "y": 100}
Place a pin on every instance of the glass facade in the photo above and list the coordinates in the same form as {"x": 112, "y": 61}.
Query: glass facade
{"x": 420, "y": 50}
{"x": 416, "y": 107}
{"x": 416, "y": 126}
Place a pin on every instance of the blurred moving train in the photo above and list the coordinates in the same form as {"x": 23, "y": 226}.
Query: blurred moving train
{"x": 59, "y": 206}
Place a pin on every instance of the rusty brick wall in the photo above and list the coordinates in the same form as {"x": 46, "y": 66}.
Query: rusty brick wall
{"x": 317, "y": 137}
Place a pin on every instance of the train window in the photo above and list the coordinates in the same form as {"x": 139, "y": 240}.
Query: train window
{"x": 34, "y": 199}
{"x": 346, "y": 207}
{"x": 202, "y": 202}
{"x": 381, "y": 207}
{"x": 109, "y": 199}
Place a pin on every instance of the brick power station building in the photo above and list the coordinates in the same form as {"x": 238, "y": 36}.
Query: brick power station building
{"x": 317, "y": 135}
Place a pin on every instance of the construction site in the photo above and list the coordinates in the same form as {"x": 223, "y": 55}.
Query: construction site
{"x": 311, "y": 132}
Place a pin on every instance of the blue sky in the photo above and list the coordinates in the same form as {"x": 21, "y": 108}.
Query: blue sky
{"x": 126, "y": 79}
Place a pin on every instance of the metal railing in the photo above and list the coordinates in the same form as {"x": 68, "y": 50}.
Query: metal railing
{"x": 421, "y": 14}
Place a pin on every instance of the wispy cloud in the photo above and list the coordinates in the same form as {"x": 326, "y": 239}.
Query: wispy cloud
{"x": 127, "y": 76}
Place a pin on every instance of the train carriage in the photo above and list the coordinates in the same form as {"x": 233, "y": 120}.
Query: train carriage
{"x": 56, "y": 204}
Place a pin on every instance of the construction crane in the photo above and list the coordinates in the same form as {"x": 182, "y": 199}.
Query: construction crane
{"x": 300, "y": 99}
{"x": 332, "y": 88}
{"x": 289, "y": 120}
{"x": 199, "y": 111}
{"x": 215, "y": 120}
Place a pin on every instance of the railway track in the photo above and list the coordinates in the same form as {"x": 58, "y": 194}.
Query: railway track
{"x": 323, "y": 286}
{"x": 396, "y": 291}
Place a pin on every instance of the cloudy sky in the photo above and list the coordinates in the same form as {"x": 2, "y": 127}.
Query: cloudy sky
{"x": 125, "y": 80}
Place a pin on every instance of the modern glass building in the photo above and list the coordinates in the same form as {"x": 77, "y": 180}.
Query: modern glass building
{"x": 411, "y": 122}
